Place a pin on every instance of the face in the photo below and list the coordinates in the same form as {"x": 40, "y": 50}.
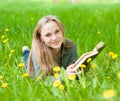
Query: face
{"x": 52, "y": 35}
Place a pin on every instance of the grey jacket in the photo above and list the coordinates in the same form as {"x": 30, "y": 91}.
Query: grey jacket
{"x": 68, "y": 56}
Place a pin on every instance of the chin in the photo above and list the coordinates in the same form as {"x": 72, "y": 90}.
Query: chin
{"x": 56, "y": 47}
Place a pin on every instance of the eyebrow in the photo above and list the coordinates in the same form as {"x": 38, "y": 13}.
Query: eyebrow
{"x": 47, "y": 33}
{"x": 56, "y": 29}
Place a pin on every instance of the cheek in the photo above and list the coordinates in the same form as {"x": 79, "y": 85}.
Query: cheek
{"x": 45, "y": 40}
{"x": 61, "y": 36}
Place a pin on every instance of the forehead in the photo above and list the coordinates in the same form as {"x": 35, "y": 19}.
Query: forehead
{"x": 48, "y": 27}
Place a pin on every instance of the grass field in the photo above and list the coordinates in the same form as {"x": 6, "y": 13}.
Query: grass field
{"x": 86, "y": 24}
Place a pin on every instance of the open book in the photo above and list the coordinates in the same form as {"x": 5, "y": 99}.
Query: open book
{"x": 92, "y": 54}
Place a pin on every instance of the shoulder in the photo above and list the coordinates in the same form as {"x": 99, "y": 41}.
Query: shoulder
{"x": 69, "y": 43}
{"x": 70, "y": 46}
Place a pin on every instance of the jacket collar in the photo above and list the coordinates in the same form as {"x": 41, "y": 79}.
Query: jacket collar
{"x": 63, "y": 51}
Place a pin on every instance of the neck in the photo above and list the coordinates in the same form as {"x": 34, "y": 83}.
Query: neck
{"x": 57, "y": 52}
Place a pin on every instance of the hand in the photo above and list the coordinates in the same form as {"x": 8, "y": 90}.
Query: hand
{"x": 70, "y": 70}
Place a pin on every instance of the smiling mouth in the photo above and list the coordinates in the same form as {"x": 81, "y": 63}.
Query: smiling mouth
{"x": 57, "y": 42}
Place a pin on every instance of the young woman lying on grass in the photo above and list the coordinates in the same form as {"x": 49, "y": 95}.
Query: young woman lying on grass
{"x": 50, "y": 48}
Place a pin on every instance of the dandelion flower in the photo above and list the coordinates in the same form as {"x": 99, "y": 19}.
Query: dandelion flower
{"x": 56, "y": 83}
{"x": 21, "y": 65}
{"x": 5, "y": 41}
{"x": 1, "y": 77}
{"x": 56, "y": 69}
{"x": 89, "y": 59}
{"x": 2, "y": 36}
{"x": 82, "y": 66}
{"x": 4, "y": 85}
{"x": 108, "y": 94}
{"x": 114, "y": 56}
{"x": 110, "y": 53}
{"x": 99, "y": 32}
{"x": 6, "y": 30}
{"x": 56, "y": 75}
{"x": 108, "y": 77}
{"x": 12, "y": 51}
{"x": 71, "y": 76}
{"x": 24, "y": 75}
{"x": 93, "y": 65}
{"x": 61, "y": 87}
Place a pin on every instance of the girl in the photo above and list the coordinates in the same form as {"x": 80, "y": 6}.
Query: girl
{"x": 50, "y": 48}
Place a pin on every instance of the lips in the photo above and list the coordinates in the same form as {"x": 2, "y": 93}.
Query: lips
{"x": 57, "y": 42}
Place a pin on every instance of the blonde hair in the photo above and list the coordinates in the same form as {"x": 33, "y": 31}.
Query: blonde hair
{"x": 44, "y": 54}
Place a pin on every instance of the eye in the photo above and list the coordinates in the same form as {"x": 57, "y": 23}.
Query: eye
{"x": 57, "y": 31}
{"x": 48, "y": 35}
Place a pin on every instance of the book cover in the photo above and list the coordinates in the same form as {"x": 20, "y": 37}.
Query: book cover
{"x": 91, "y": 54}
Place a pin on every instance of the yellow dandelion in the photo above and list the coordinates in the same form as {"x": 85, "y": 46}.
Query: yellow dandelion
{"x": 56, "y": 83}
{"x": 12, "y": 51}
{"x": 1, "y": 77}
{"x": 118, "y": 74}
{"x": 6, "y": 64}
{"x": 108, "y": 94}
{"x": 6, "y": 30}
{"x": 89, "y": 59}
{"x": 56, "y": 75}
{"x": 4, "y": 85}
{"x": 56, "y": 69}
{"x": 24, "y": 75}
{"x": 114, "y": 56}
{"x": 93, "y": 65}
{"x": 21, "y": 65}
{"x": 2, "y": 36}
{"x": 82, "y": 66}
{"x": 71, "y": 76}
{"x": 99, "y": 32}
{"x": 5, "y": 41}
{"x": 61, "y": 87}
{"x": 110, "y": 53}
{"x": 108, "y": 77}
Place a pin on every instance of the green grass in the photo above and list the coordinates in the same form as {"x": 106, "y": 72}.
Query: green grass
{"x": 82, "y": 22}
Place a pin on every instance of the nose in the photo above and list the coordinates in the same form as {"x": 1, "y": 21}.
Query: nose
{"x": 54, "y": 37}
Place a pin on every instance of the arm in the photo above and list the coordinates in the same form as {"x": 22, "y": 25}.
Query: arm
{"x": 73, "y": 58}
{"x": 73, "y": 55}
{"x": 35, "y": 64}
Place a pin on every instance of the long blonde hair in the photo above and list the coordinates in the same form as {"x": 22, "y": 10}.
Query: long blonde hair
{"x": 44, "y": 55}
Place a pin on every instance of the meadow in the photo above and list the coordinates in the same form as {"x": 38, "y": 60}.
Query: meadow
{"x": 86, "y": 24}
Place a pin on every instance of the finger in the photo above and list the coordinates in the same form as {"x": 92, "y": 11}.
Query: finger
{"x": 70, "y": 66}
{"x": 69, "y": 69}
{"x": 71, "y": 73}
{"x": 80, "y": 72}
{"x": 74, "y": 72}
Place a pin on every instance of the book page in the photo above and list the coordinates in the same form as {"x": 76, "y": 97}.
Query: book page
{"x": 84, "y": 57}
{"x": 87, "y": 55}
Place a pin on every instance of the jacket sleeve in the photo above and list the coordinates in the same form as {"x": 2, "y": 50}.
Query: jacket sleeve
{"x": 35, "y": 64}
{"x": 73, "y": 55}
